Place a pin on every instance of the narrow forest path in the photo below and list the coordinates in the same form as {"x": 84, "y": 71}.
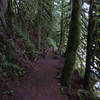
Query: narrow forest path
{"x": 41, "y": 83}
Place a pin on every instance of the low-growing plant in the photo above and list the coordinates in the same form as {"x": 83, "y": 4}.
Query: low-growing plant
{"x": 8, "y": 69}
{"x": 83, "y": 94}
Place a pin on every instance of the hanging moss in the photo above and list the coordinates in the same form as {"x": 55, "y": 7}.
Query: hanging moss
{"x": 73, "y": 43}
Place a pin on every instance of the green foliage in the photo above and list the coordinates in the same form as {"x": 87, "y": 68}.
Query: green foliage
{"x": 29, "y": 49}
{"x": 19, "y": 33}
{"x": 28, "y": 46}
{"x": 51, "y": 42}
{"x": 28, "y": 14}
{"x": 95, "y": 95}
{"x": 28, "y": 11}
{"x": 80, "y": 71}
{"x": 8, "y": 69}
{"x": 83, "y": 94}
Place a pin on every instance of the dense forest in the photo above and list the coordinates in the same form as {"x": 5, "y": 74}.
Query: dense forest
{"x": 49, "y": 49}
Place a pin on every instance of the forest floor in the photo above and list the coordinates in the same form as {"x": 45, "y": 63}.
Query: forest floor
{"x": 41, "y": 83}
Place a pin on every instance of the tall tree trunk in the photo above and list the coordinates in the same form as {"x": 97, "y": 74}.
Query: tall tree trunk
{"x": 3, "y": 7}
{"x": 89, "y": 46}
{"x": 62, "y": 27}
{"x": 39, "y": 24}
{"x": 73, "y": 43}
{"x": 39, "y": 37}
{"x": 9, "y": 14}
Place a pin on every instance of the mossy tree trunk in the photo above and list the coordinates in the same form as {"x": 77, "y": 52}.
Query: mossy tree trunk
{"x": 73, "y": 43}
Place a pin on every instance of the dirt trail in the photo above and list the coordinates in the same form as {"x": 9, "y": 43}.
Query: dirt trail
{"x": 41, "y": 83}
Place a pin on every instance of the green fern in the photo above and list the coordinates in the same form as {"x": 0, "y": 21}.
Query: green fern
{"x": 83, "y": 93}
{"x": 51, "y": 43}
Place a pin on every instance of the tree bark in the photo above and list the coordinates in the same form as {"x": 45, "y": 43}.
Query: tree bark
{"x": 39, "y": 37}
{"x": 9, "y": 14}
{"x": 73, "y": 43}
{"x": 62, "y": 27}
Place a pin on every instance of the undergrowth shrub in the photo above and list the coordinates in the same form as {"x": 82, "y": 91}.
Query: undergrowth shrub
{"x": 51, "y": 42}
{"x": 29, "y": 49}
{"x": 95, "y": 95}
{"x": 87, "y": 94}
{"x": 81, "y": 73}
{"x": 26, "y": 43}
{"x": 83, "y": 94}
{"x": 8, "y": 69}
